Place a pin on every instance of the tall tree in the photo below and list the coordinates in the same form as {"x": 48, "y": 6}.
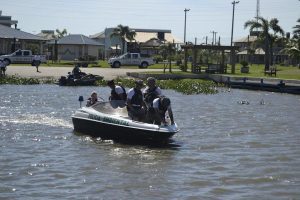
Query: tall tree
{"x": 60, "y": 34}
{"x": 124, "y": 33}
{"x": 297, "y": 29}
{"x": 168, "y": 50}
{"x": 265, "y": 26}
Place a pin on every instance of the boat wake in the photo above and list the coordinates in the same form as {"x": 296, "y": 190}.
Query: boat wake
{"x": 37, "y": 119}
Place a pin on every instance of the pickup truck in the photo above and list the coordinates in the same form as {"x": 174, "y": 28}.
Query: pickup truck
{"x": 22, "y": 56}
{"x": 130, "y": 59}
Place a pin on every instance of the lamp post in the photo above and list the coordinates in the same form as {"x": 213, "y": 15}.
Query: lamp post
{"x": 185, "y": 10}
{"x": 232, "y": 51}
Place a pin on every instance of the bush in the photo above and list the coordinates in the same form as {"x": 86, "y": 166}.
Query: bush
{"x": 244, "y": 63}
{"x": 157, "y": 58}
{"x": 87, "y": 58}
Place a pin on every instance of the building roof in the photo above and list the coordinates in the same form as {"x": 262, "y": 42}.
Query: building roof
{"x": 154, "y": 42}
{"x": 6, "y": 20}
{"x": 98, "y": 35}
{"x": 77, "y": 39}
{"x": 258, "y": 51}
{"x": 11, "y": 33}
{"x": 245, "y": 39}
{"x": 47, "y": 34}
{"x": 142, "y": 37}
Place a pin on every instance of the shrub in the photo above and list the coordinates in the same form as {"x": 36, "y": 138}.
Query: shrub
{"x": 244, "y": 63}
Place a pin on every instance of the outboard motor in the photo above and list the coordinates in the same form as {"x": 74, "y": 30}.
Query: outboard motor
{"x": 80, "y": 99}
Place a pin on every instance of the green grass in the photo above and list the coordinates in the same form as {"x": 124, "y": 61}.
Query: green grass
{"x": 284, "y": 72}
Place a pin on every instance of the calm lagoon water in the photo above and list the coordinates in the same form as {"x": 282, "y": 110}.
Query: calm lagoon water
{"x": 225, "y": 150}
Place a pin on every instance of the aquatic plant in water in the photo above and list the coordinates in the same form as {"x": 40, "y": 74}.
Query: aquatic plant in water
{"x": 189, "y": 86}
{"x": 17, "y": 80}
{"x": 185, "y": 86}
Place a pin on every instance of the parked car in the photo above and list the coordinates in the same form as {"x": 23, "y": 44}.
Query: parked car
{"x": 130, "y": 59}
{"x": 23, "y": 57}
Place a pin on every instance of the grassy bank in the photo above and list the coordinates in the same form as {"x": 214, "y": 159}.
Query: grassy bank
{"x": 283, "y": 72}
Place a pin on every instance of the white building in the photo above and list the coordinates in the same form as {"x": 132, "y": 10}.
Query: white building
{"x": 113, "y": 45}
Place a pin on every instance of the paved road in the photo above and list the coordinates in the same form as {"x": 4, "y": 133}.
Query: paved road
{"x": 57, "y": 72}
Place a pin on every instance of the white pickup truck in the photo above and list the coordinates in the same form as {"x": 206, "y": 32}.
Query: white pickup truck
{"x": 23, "y": 56}
{"x": 130, "y": 59}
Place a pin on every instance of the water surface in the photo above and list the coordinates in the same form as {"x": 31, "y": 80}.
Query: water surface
{"x": 225, "y": 150}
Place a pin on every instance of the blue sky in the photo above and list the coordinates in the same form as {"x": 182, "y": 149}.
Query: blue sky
{"x": 92, "y": 16}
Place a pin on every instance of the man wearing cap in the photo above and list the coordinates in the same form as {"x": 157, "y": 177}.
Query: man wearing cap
{"x": 160, "y": 110}
{"x": 151, "y": 92}
{"x": 118, "y": 92}
{"x": 135, "y": 103}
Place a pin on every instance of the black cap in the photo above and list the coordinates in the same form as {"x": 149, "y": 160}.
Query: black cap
{"x": 165, "y": 102}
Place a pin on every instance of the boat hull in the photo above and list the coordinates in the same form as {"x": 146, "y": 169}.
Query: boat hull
{"x": 107, "y": 131}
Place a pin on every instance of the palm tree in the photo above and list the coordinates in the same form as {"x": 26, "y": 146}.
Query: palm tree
{"x": 265, "y": 26}
{"x": 292, "y": 49}
{"x": 60, "y": 34}
{"x": 297, "y": 29}
{"x": 124, "y": 33}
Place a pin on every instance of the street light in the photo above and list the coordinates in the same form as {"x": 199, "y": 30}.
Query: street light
{"x": 185, "y": 10}
{"x": 233, "y": 4}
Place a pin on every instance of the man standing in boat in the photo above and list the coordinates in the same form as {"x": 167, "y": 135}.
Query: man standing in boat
{"x": 118, "y": 92}
{"x": 151, "y": 92}
{"x": 135, "y": 103}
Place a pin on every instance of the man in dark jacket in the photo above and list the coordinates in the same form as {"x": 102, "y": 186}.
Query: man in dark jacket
{"x": 118, "y": 92}
{"x": 161, "y": 111}
{"x": 151, "y": 92}
{"x": 135, "y": 103}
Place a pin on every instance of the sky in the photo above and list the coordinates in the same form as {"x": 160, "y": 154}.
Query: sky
{"x": 89, "y": 17}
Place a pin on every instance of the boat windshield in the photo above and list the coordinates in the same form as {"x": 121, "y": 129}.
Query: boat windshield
{"x": 115, "y": 107}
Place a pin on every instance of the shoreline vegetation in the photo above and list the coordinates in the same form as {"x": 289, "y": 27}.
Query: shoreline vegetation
{"x": 185, "y": 86}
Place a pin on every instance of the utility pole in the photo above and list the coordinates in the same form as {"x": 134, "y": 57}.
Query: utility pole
{"x": 233, "y": 3}
{"x": 185, "y": 10}
{"x": 232, "y": 53}
{"x": 213, "y": 38}
{"x": 216, "y": 38}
